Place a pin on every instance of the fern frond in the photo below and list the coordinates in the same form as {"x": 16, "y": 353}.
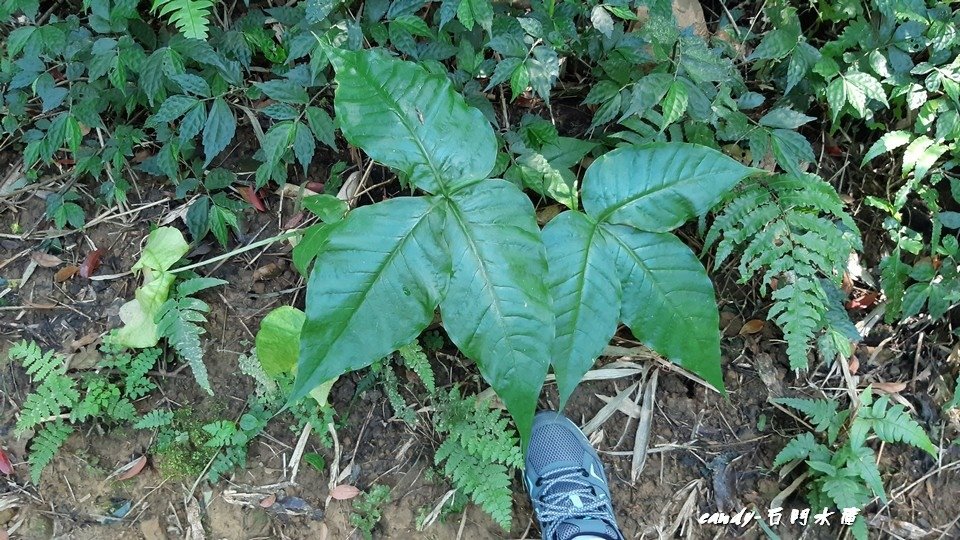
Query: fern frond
{"x": 136, "y": 384}
{"x": 487, "y": 484}
{"x": 39, "y": 365}
{"x": 191, "y": 17}
{"x": 44, "y": 446}
{"x": 176, "y": 320}
{"x": 250, "y": 366}
{"x": 820, "y": 411}
{"x": 895, "y": 425}
{"x": 399, "y": 405}
{"x": 416, "y": 360}
{"x": 802, "y": 446}
{"x": 798, "y": 233}
{"x": 48, "y": 400}
{"x": 154, "y": 419}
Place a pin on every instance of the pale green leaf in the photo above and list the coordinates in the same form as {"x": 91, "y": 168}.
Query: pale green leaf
{"x": 888, "y": 142}
{"x": 278, "y": 340}
{"x": 674, "y": 103}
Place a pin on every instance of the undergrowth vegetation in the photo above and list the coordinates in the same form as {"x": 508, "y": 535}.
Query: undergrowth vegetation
{"x": 531, "y": 234}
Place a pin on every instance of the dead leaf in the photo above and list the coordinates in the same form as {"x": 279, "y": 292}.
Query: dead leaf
{"x": 853, "y": 365}
{"x": 5, "y": 466}
{"x": 45, "y": 260}
{"x": 268, "y": 501}
{"x": 544, "y": 215}
{"x": 846, "y": 284}
{"x": 84, "y": 341}
{"x": 890, "y": 387}
{"x": 91, "y": 263}
{"x": 348, "y": 190}
{"x": 344, "y": 492}
{"x": 267, "y": 271}
{"x": 131, "y": 469}
{"x": 864, "y": 301}
{"x": 752, "y": 327}
{"x": 690, "y": 13}
{"x": 65, "y": 273}
{"x": 251, "y": 196}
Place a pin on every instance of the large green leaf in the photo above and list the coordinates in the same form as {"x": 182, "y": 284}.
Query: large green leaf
{"x": 658, "y": 187}
{"x": 375, "y": 285}
{"x": 497, "y": 309}
{"x": 278, "y": 340}
{"x": 668, "y": 300}
{"x": 411, "y": 120}
{"x": 586, "y": 296}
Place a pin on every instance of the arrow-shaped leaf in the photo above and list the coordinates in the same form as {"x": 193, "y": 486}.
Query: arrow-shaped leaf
{"x": 411, "y": 120}
{"x": 497, "y": 309}
{"x": 374, "y": 287}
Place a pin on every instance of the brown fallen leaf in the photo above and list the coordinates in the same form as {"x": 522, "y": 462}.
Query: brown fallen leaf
{"x": 131, "y": 469}
{"x": 84, "y": 340}
{"x": 267, "y": 271}
{"x": 853, "y": 365}
{"x": 5, "y": 466}
{"x": 344, "y": 492}
{"x": 544, "y": 215}
{"x": 65, "y": 273}
{"x": 45, "y": 260}
{"x": 268, "y": 501}
{"x": 890, "y": 387}
{"x": 752, "y": 327}
{"x": 91, "y": 262}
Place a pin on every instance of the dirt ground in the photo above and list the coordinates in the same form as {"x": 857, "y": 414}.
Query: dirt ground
{"x": 705, "y": 452}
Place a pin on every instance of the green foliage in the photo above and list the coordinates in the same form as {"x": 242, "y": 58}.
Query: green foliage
{"x": 480, "y": 452}
{"x": 367, "y": 509}
{"x": 793, "y": 230}
{"x": 103, "y": 397}
{"x": 191, "y": 17}
{"x": 844, "y": 472}
{"x": 177, "y": 320}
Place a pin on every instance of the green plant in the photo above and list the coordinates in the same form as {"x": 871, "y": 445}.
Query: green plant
{"x": 476, "y": 238}
{"x": 367, "y": 509}
{"x": 793, "y": 232}
{"x": 191, "y": 17}
{"x": 61, "y": 400}
{"x": 844, "y": 470}
{"x": 480, "y": 452}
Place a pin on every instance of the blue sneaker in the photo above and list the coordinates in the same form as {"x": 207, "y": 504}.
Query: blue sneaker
{"x": 566, "y": 482}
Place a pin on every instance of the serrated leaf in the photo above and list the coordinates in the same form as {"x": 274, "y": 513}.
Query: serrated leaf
{"x": 497, "y": 308}
{"x": 476, "y": 11}
{"x": 586, "y": 296}
{"x": 888, "y": 142}
{"x": 318, "y": 10}
{"x": 657, "y": 269}
{"x": 193, "y": 84}
{"x": 219, "y": 130}
{"x": 399, "y": 273}
{"x": 776, "y": 44}
{"x": 303, "y": 146}
{"x": 660, "y": 186}
{"x": 601, "y": 20}
{"x": 322, "y": 126}
{"x": 674, "y": 103}
{"x": 411, "y": 120}
{"x": 836, "y": 93}
{"x": 284, "y": 90}
{"x": 174, "y": 107}
{"x": 192, "y": 122}
{"x": 791, "y": 148}
{"x": 784, "y": 117}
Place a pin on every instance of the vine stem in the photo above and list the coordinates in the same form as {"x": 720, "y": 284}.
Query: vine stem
{"x": 238, "y": 251}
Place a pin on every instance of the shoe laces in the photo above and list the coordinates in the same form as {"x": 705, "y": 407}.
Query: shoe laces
{"x": 556, "y": 501}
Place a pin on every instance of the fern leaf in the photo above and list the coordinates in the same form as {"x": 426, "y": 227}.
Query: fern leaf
{"x": 48, "y": 400}
{"x": 416, "y": 360}
{"x": 191, "y": 17}
{"x": 44, "y": 446}
{"x": 155, "y": 419}
{"x": 800, "y": 447}
{"x": 863, "y": 462}
{"x": 896, "y": 425}
{"x": 176, "y": 321}
{"x": 820, "y": 411}
{"x": 39, "y": 365}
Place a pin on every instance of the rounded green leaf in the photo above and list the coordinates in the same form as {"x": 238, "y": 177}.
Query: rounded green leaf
{"x": 586, "y": 296}
{"x": 668, "y": 300}
{"x": 497, "y": 307}
{"x": 411, "y": 120}
{"x": 278, "y": 340}
{"x": 375, "y": 285}
{"x": 657, "y": 187}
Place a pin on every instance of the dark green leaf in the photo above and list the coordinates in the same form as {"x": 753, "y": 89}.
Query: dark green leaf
{"x": 219, "y": 130}
{"x": 284, "y": 90}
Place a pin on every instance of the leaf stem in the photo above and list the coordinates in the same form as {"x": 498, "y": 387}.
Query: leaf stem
{"x": 244, "y": 249}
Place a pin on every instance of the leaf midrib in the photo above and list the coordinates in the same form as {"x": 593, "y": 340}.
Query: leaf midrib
{"x": 394, "y": 106}
{"x": 481, "y": 265}
{"x": 375, "y": 276}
